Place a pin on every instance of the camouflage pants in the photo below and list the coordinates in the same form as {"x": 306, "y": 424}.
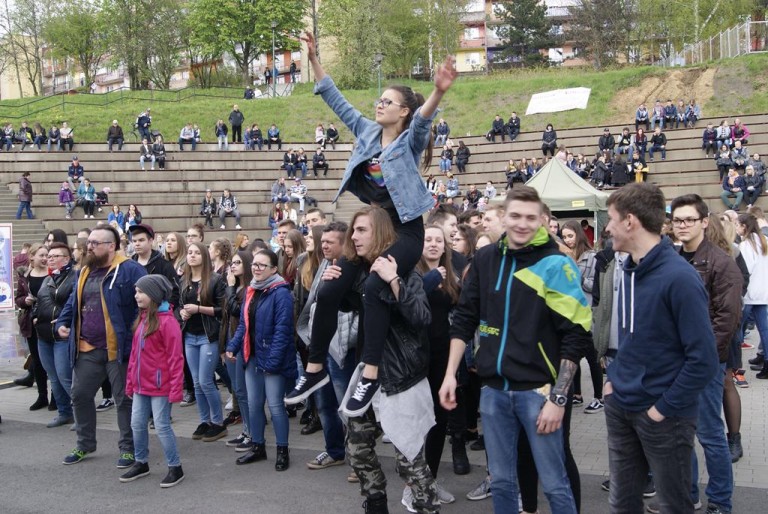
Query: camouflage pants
{"x": 362, "y": 433}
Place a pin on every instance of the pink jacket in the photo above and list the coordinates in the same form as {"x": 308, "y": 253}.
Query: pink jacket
{"x": 156, "y": 366}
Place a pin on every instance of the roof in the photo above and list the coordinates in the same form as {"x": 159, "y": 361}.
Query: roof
{"x": 563, "y": 190}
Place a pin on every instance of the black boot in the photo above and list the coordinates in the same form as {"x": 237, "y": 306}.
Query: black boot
{"x": 313, "y": 426}
{"x": 258, "y": 452}
{"x": 42, "y": 401}
{"x": 459, "y": 454}
{"x": 283, "y": 459}
{"x": 763, "y": 374}
{"x": 734, "y": 445}
{"x": 27, "y": 380}
{"x": 376, "y": 505}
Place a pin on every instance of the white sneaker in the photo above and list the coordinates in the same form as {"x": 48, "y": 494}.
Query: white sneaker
{"x": 91, "y": 216}
{"x": 407, "y": 499}
{"x": 152, "y": 168}
{"x": 222, "y": 227}
{"x": 228, "y": 406}
{"x": 596, "y": 405}
{"x": 85, "y": 217}
{"x": 238, "y": 227}
{"x": 482, "y": 491}
{"x": 442, "y": 494}
{"x": 385, "y": 439}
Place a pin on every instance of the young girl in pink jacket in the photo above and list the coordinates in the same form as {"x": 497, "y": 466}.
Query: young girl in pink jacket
{"x": 155, "y": 377}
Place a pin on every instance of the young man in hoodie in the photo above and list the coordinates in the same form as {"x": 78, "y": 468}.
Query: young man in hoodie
{"x": 723, "y": 281}
{"x": 143, "y": 239}
{"x": 524, "y": 298}
{"x": 666, "y": 357}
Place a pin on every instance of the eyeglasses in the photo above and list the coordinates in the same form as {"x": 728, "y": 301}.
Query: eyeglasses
{"x": 385, "y": 102}
{"x": 261, "y": 267}
{"x": 236, "y": 263}
{"x": 97, "y": 243}
{"x": 57, "y": 256}
{"x": 687, "y": 222}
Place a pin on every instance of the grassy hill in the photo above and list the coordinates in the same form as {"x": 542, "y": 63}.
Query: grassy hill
{"x": 723, "y": 89}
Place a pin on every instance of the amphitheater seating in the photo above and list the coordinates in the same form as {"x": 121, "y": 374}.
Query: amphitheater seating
{"x": 169, "y": 200}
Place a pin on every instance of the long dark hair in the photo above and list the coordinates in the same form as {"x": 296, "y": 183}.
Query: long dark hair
{"x": 450, "y": 284}
{"x": 413, "y": 100}
{"x": 582, "y": 242}
{"x": 204, "y": 292}
{"x": 241, "y": 282}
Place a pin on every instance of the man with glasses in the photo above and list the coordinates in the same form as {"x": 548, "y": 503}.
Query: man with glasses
{"x": 97, "y": 320}
{"x": 666, "y": 357}
{"x": 723, "y": 281}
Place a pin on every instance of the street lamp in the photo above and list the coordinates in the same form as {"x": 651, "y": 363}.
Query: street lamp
{"x": 274, "y": 67}
{"x": 377, "y": 58}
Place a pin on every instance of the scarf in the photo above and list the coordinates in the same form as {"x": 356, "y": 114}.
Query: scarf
{"x": 267, "y": 283}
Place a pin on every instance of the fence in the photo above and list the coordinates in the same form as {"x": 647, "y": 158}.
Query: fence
{"x": 746, "y": 38}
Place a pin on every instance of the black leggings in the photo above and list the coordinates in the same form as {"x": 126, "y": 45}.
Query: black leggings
{"x": 88, "y": 207}
{"x": 41, "y": 377}
{"x": 528, "y": 476}
{"x": 595, "y": 370}
{"x": 407, "y": 252}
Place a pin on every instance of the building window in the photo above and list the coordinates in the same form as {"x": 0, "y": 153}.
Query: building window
{"x": 475, "y": 5}
{"x": 472, "y": 33}
{"x": 472, "y": 59}
{"x": 556, "y": 30}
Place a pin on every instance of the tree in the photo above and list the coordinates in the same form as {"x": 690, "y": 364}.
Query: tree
{"x": 243, "y": 28}
{"x": 25, "y": 21}
{"x": 165, "y": 47}
{"x": 130, "y": 27}
{"x": 600, "y": 29}
{"x": 524, "y": 31}
{"x": 79, "y": 32}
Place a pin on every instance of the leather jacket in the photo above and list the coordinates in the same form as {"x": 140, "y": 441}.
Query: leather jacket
{"x": 211, "y": 324}
{"x": 53, "y": 295}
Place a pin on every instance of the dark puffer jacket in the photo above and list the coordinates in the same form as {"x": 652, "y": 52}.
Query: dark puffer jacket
{"x": 53, "y": 295}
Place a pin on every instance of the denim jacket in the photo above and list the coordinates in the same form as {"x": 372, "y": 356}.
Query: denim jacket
{"x": 399, "y": 160}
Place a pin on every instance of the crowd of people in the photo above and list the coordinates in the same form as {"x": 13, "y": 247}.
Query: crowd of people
{"x": 413, "y": 320}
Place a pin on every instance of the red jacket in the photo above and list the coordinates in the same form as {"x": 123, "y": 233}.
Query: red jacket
{"x": 156, "y": 366}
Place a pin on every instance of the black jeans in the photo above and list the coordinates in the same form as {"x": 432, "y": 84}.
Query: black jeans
{"x": 41, "y": 377}
{"x": 407, "y": 252}
{"x": 637, "y": 443}
{"x": 595, "y": 370}
{"x": 88, "y": 207}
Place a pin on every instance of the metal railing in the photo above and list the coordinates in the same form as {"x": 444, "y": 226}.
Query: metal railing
{"x": 25, "y": 109}
{"x": 746, "y": 38}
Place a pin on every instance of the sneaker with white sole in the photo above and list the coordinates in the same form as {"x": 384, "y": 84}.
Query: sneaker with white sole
{"x": 407, "y": 499}
{"x": 307, "y": 384}
{"x": 232, "y": 443}
{"x": 596, "y": 405}
{"x": 482, "y": 491}
{"x": 323, "y": 461}
{"x": 238, "y": 227}
{"x": 654, "y": 508}
{"x": 229, "y": 405}
{"x": 361, "y": 399}
{"x": 106, "y": 404}
{"x": 222, "y": 227}
{"x": 442, "y": 494}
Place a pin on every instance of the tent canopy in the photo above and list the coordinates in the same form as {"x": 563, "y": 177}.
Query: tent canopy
{"x": 563, "y": 190}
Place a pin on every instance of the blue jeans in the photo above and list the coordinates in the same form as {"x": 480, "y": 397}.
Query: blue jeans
{"x": 635, "y": 443}
{"x": 202, "y": 358}
{"x": 656, "y": 148}
{"x": 24, "y": 206}
{"x": 445, "y": 165}
{"x": 160, "y": 410}
{"x": 710, "y": 431}
{"x": 760, "y": 314}
{"x": 236, "y": 371}
{"x": 303, "y": 166}
{"x": 329, "y": 398}
{"x": 265, "y": 387}
{"x": 506, "y": 416}
{"x": 55, "y": 359}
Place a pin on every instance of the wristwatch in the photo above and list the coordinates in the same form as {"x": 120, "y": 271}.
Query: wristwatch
{"x": 558, "y": 399}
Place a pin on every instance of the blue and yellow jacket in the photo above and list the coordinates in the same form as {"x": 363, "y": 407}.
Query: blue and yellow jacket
{"x": 529, "y": 309}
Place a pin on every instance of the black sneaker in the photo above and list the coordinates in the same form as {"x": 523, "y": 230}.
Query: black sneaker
{"x": 174, "y": 476}
{"x": 189, "y": 399}
{"x": 313, "y": 426}
{"x": 307, "y": 416}
{"x": 138, "y": 470}
{"x": 650, "y": 490}
{"x": 361, "y": 399}
{"x": 307, "y": 384}
{"x": 201, "y": 430}
{"x": 236, "y": 441}
{"x": 758, "y": 359}
{"x": 233, "y": 418}
{"x": 214, "y": 433}
{"x": 606, "y": 485}
{"x": 245, "y": 446}
{"x": 478, "y": 445}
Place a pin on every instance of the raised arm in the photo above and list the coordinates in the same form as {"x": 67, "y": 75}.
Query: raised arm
{"x": 444, "y": 77}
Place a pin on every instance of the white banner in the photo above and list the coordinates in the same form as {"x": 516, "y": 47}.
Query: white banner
{"x": 559, "y": 100}
{"x": 6, "y": 266}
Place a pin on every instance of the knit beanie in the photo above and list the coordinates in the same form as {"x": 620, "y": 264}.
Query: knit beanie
{"x": 157, "y": 287}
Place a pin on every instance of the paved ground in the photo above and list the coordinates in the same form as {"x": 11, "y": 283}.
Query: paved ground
{"x": 32, "y": 479}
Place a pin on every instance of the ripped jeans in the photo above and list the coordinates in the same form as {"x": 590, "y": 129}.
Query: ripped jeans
{"x": 202, "y": 358}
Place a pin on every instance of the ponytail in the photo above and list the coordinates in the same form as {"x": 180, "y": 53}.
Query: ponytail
{"x": 413, "y": 100}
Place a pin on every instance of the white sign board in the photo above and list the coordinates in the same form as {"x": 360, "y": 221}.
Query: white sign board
{"x": 559, "y": 100}
{"x": 6, "y": 266}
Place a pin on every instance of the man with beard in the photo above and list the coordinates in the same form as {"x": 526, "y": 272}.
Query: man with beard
{"x": 97, "y": 322}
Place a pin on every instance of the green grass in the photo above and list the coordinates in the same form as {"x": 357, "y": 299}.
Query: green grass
{"x": 469, "y": 107}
